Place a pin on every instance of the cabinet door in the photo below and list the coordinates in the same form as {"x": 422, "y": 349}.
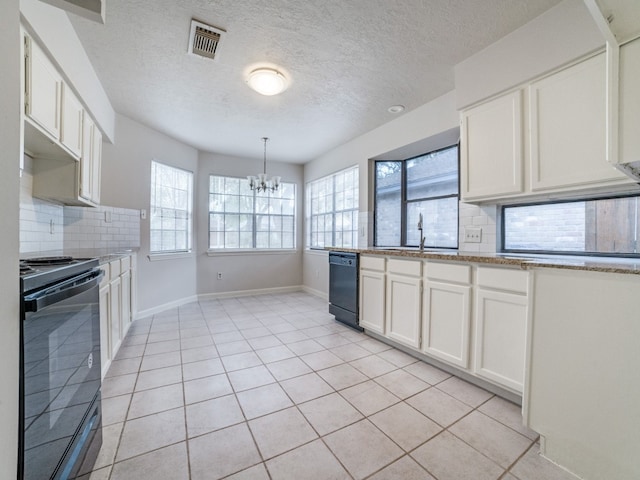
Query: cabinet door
{"x": 446, "y": 322}
{"x": 105, "y": 328}
{"x": 629, "y": 103}
{"x": 403, "y": 309}
{"x": 134, "y": 286}
{"x": 71, "y": 128}
{"x": 43, "y": 90}
{"x": 501, "y": 330}
{"x": 372, "y": 304}
{"x": 90, "y": 161}
{"x": 491, "y": 149}
{"x": 568, "y": 128}
{"x": 115, "y": 311}
{"x": 125, "y": 301}
{"x": 96, "y": 163}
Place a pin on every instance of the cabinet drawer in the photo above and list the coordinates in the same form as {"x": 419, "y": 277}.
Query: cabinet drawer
{"x": 448, "y": 272}
{"x": 125, "y": 264}
{"x": 114, "y": 267}
{"x": 372, "y": 263}
{"x": 107, "y": 275}
{"x": 503, "y": 279}
{"x": 405, "y": 267}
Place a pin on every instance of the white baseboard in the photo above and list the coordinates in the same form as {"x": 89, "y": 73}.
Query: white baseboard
{"x": 165, "y": 306}
{"x": 249, "y": 293}
{"x": 315, "y": 292}
{"x": 237, "y": 293}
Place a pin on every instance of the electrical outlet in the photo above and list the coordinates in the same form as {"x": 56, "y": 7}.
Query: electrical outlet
{"x": 219, "y": 275}
{"x": 107, "y": 216}
{"x": 473, "y": 234}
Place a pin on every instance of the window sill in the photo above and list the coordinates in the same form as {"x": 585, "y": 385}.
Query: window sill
{"x": 155, "y": 257}
{"x": 250, "y": 251}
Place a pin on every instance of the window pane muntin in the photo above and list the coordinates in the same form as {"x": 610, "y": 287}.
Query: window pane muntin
{"x": 439, "y": 182}
{"x": 255, "y": 213}
{"x": 328, "y": 198}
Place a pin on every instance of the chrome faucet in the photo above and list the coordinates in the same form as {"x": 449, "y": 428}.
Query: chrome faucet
{"x": 422, "y": 239}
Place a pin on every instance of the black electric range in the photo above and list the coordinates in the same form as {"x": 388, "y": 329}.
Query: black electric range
{"x": 60, "y": 378}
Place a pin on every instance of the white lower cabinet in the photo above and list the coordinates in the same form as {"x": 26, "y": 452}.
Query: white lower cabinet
{"x": 115, "y": 313}
{"x": 105, "y": 320}
{"x": 404, "y": 288}
{"x": 501, "y": 316}
{"x": 372, "y": 293}
{"x": 117, "y": 293}
{"x": 447, "y": 312}
{"x": 471, "y": 316}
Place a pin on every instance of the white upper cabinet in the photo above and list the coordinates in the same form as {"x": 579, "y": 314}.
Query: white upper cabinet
{"x": 491, "y": 152}
{"x": 43, "y": 90}
{"x": 629, "y": 105}
{"x": 90, "y": 161}
{"x": 71, "y": 128}
{"x": 568, "y": 128}
{"x": 59, "y": 134}
{"x": 548, "y": 137}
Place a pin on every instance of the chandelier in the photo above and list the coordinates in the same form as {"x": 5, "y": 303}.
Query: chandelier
{"x": 261, "y": 182}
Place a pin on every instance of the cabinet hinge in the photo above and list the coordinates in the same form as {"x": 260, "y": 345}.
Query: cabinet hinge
{"x": 420, "y": 342}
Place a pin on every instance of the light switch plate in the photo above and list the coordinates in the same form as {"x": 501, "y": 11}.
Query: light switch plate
{"x": 473, "y": 234}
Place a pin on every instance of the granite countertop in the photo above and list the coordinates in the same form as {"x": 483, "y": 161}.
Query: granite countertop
{"x": 595, "y": 264}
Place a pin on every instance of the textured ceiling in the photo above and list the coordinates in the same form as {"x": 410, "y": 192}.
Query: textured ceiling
{"x": 347, "y": 61}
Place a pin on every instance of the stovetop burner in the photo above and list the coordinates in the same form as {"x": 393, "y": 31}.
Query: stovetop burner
{"x": 42, "y": 261}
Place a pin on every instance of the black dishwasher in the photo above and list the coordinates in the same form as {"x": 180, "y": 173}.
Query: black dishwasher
{"x": 343, "y": 287}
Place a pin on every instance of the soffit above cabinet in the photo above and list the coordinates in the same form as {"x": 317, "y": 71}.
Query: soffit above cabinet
{"x": 623, "y": 16}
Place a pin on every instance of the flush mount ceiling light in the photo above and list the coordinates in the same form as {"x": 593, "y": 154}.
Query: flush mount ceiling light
{"x": 267, "y": 81}
{"x": 396, "y": 109}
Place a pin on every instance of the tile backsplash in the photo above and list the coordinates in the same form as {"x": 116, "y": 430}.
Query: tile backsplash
{"x": 45, "y": 226}
{"x": 483, "y": 216}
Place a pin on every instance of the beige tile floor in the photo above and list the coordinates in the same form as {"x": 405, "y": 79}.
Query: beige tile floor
{"x": 272, "y": 387}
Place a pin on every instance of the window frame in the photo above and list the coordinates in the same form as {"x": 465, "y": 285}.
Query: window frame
{"x": 189, "y": 228}
{"x": 404, "y": 202}
{"x": 310, "y": 216}
{"x": 254, "y": 214}
{"x": 560, "y": 253}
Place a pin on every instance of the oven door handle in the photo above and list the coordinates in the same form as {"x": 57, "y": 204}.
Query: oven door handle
{"x": 67, "y": 289}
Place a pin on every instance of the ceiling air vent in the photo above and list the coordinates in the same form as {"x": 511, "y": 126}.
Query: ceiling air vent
{"x": 204, "y": 39}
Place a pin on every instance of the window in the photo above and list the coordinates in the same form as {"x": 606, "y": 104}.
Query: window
{"x": 170, "y": 209}
{"x": 332, "y": 210}
{"x": 243, "y": 218}
{"x": 592, "y": 227}
{"x": 426, "y": 185}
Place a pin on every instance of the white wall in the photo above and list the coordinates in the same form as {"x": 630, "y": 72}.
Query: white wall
{"x": 556, "y": 37}
{"x": 418, "y": 126}
{"x": 52, "y": 28}
{"x": 242, "y": 271}
{"x": 126, "y": 174}
{"x": 10, "y": 146}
